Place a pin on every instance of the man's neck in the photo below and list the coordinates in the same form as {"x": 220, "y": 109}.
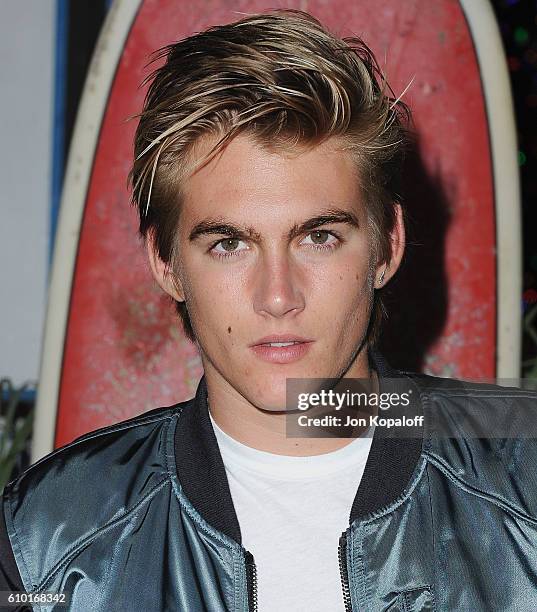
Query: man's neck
{"x": 266, "y": 430}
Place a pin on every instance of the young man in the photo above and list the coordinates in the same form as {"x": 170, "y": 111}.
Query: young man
{"x": 267, "y": 165}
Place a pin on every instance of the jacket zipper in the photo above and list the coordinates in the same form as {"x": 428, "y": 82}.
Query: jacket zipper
{"x": 251, "y": 581}
{"x": 342, "y": 554}
{"x": 251, "y": 576}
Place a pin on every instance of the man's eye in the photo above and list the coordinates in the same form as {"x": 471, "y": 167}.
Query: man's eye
{"x": 228, "y": 247}
{"x": 319, "y": 241}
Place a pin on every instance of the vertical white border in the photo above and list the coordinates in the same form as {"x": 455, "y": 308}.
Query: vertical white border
{"x": 90, "y": 114}
{"x": 502, "y": 131}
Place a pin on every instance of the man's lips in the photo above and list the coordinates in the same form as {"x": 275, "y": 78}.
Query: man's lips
{"x": 281, "y": 354}
{"x": 279, "y": 338}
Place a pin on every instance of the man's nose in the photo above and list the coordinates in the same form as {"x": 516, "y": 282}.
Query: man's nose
{"x": 279, "y": 283}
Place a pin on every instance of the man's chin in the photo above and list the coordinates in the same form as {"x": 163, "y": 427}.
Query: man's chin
{"x": 272, "y": 398}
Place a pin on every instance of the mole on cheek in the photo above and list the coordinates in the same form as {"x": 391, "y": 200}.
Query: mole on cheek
{"x": 229, "y": 330}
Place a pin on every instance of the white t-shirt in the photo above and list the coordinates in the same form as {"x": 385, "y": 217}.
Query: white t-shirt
{"x": 292, "y": 512}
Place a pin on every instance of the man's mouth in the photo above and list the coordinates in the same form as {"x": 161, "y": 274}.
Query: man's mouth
{"x": 281, "y": 351}
{"x": 282, "y": 339}
{"x": 279, "y": 343}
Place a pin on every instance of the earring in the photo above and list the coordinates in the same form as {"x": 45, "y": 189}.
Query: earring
{"x": 381, "y": 278}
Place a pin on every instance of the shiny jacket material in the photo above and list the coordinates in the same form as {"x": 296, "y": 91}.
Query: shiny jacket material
{"x": 139, "y": 516}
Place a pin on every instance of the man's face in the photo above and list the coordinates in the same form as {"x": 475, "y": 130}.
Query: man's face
{"x": 315, "y": 283}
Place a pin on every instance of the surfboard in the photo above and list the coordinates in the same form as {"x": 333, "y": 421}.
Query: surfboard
{"x": 113, "y": 346}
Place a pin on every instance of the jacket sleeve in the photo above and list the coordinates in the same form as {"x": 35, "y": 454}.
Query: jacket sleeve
{"x": 10, "y": 579}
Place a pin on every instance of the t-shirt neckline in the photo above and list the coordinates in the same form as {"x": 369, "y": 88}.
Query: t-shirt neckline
{"x": 239, "y": 455}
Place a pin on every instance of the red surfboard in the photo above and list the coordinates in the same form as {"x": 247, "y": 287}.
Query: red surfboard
{"x": 113, "y": 345}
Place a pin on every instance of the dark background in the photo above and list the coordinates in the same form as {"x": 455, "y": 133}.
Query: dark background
{"x": 518, "y": 25}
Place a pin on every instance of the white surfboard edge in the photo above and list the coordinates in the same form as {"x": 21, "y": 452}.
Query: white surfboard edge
{"x": 503, "y": 142}
{"x": 93, "y": 102}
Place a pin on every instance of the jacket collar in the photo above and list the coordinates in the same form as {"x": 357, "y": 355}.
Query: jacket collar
{"x": 391, "y": 462}
{"x": 394, "y": 452}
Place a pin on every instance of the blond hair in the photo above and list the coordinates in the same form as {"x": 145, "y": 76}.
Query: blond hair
{"x": 282, "y": 78}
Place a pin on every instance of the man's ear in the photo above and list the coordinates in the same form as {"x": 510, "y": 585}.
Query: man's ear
{"x": 161, "y": 273}
{"x": 386, "y": 270}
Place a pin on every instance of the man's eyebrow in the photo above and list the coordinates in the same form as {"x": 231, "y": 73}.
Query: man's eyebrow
{"x": 218, "y": 225}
